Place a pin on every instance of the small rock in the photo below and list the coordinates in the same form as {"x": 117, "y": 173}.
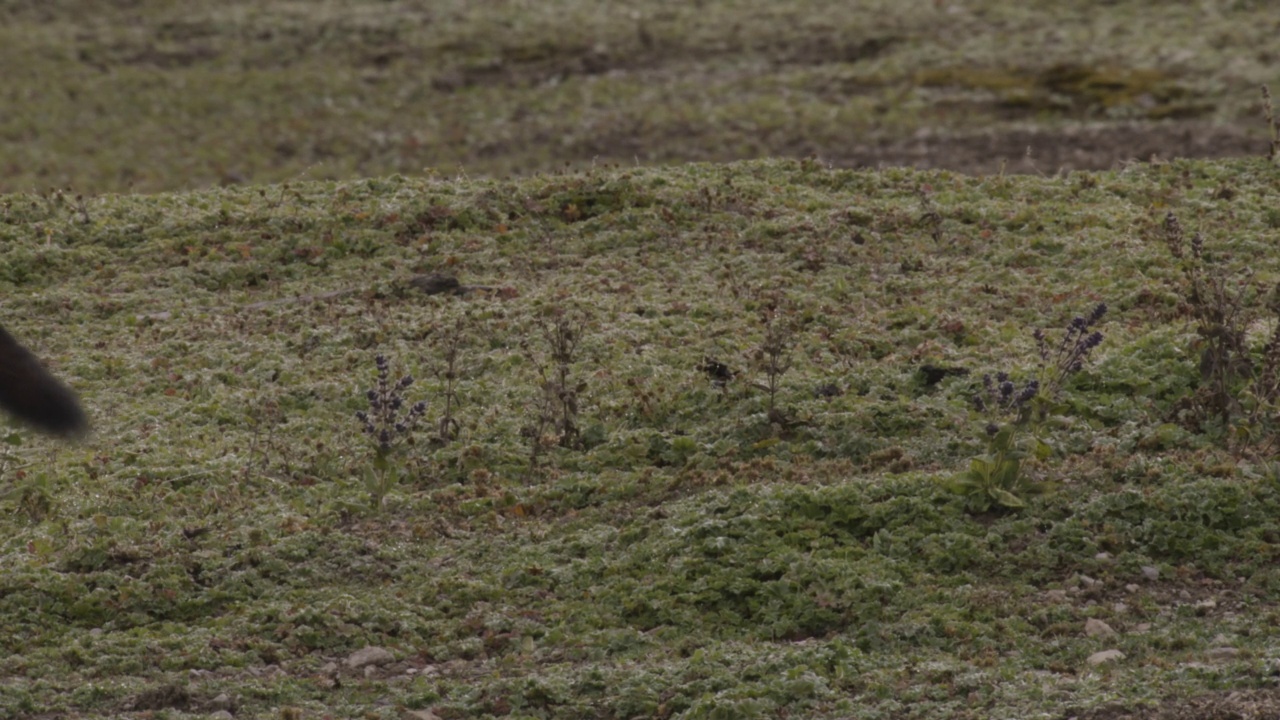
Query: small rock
{"x": 1056, "y": 595}
{"x": 1120, "y": 608}
{"x": 1087, "y": 581}
{"x": 436, "y": 284}
{"x": 1131, "y": 588}
{"x": 1102, "y": 556}
{"x": 1094, "y": 627}
{"x": 1142, "y": 628}
{"x": 372, "y": 655}
{"x": 934, "y": 374}
{"x": 1222, "y": 653}
{"x": 221, "y": 702}
{"x": 827, "y": 390}
{"x": 1104, "y": 656}
{"x": 1151, "y": 572}
{"x": 329, "y": 668}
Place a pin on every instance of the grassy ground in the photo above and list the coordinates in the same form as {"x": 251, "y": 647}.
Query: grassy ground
{"x": 159, "y": 95}
{"x": 686, "y": 552}
{"x": 602, "y": 531}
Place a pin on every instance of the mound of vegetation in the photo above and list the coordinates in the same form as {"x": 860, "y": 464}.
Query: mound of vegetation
{"x": 762, "y": 439}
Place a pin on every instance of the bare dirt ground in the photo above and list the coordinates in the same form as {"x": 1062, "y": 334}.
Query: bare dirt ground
{"x": 149, "y": 96}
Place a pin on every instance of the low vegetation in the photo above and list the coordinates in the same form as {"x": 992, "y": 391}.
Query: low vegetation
{"x": 677, "y": 443}
{"x": 157, "y": 96}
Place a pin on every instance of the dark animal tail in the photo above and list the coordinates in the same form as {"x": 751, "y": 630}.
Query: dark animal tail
{"x": 31, "y": 394}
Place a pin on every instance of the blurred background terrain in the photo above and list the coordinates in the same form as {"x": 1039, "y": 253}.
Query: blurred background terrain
{"x": 153, "y": 95}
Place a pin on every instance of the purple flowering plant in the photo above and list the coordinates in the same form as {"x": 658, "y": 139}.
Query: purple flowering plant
{"x": 1015, "y": 419}
{"x": 389, "y": 424}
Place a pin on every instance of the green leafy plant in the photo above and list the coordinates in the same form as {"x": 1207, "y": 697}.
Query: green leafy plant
{"x": 32, "y": 495}
{"x": 997, "y": 477}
